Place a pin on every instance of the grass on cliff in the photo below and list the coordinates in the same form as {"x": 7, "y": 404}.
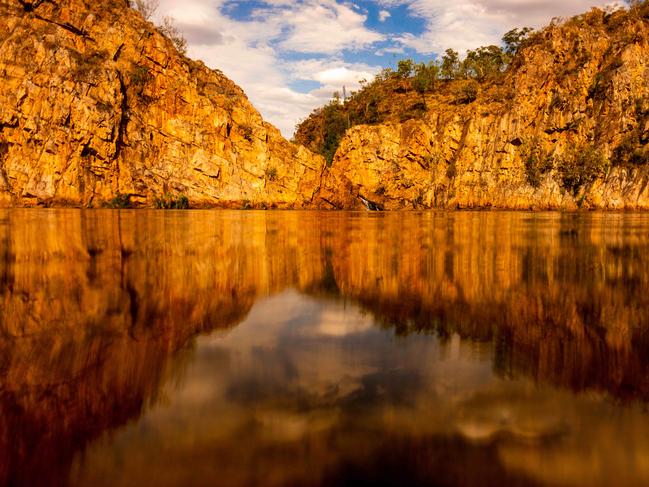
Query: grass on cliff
{"x": 120, "y": 201}
{"x": 171, "y": 202}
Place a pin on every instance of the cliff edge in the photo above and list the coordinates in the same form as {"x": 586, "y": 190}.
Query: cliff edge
{"x": 96, "y": 103}
{"x": 565, "y": 126}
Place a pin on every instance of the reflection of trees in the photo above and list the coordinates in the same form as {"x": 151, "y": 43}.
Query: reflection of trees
{"x": 99, "y": 309}
{"x": 562, "y": 299}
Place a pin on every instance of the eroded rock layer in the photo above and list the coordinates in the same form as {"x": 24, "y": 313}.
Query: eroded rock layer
{"x": 567, "y": 126}
{"x": 95, "y": 102}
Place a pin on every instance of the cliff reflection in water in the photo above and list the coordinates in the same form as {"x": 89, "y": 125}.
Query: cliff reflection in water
{"x": 521, "y": 351}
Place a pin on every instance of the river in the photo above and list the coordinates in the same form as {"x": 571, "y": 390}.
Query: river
{"x": 321, "y": 349}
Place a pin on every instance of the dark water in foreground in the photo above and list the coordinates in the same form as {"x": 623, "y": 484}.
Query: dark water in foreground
{"x": 308, "y": 349}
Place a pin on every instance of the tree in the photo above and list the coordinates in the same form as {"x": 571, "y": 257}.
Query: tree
{"x": 425, "y": 78}
{"x": 146, "y": 7}
{"x": 334, "y": 126}
{"x": 405, "y": 68}
{"x": 169, "y": 29}
{"x": 450, "y": 64}
{"x": 484, "y": 62}
{"x": 515, "y": 39}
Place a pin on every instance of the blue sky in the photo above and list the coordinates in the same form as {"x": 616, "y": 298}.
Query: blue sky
{"x": 290, "y": 56}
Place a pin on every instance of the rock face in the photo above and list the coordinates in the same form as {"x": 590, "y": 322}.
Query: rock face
{"x": 567, "y": 126}
{"x": 95, "y": 102}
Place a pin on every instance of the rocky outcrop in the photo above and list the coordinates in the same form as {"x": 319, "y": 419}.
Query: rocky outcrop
{"x": 567, "y": 126}
{"x": 95, "y": 102}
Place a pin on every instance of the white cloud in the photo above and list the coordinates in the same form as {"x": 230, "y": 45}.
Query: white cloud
{"x": 321, "y": 26}
{"x": 285, "y": 42}
{"x": 467, "y": 24}
{"x": 253, "y": 52}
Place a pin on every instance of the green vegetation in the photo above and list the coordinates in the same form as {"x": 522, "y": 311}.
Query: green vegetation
{"x": 466, "y": 92}
{"x": 633, "y": 151}
{"x": 140, "y": 76}
{"x": 171, "y": 202}
{"x": 450, "y": 67}
{"x": 88, "y": 68}
{"x": 120, "y": 201}
{"x": 580, "y": 167}
{"x": 537, "y": 161}
{"x": 271, "y": 173}
{"x": 485, "y": 62}
{"x": 515, "y": 39}
{"x": 374, "y": 103}
{"x": 335, "y": 125}
{"x": 247, "y": 132}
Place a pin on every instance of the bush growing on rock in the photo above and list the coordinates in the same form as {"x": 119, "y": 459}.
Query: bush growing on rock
{"x": 171, "y": 202}
{"x": 537, "y": 161}
{"x": 581, "y": 167}
{"x": 120, "y": 201}
{"x": 466, "y": 92}
{"x": 271, "y": 173}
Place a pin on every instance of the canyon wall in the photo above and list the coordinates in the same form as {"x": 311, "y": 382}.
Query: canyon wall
{"x": 566, "y": 126}
{"x": 95, "y": 102}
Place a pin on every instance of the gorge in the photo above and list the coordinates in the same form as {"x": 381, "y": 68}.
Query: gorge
{"x": 93, "y": 109}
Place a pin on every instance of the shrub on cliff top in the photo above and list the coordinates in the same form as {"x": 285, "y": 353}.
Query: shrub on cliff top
{"x": 169, "y": 29}
{"x": 146, "y": 7}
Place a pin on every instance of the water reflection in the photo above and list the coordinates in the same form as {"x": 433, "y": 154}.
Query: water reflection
{"x": 287, "y": 348}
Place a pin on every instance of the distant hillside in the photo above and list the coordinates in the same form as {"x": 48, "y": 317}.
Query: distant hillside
{"x": 557, "y": 118}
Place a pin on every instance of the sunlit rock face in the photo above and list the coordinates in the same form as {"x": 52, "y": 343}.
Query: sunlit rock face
{"x": 583, "y": 83}
{"x": 94, "y": 101}
{"x": 100, "y": 311}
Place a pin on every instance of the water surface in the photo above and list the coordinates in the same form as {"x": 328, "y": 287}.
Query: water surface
{"x": 323, "y": 349}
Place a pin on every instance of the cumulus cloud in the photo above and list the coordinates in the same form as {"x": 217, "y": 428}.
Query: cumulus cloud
{"x": 256, "y": 51}
{"x": 276, "y": 48}
{"x": 466, "y": 24}
{"x": 321, "y": 26}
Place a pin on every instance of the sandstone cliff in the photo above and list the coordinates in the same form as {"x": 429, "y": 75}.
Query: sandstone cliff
{"x": 95, "y": 102}
{"x": 566, "y": 126}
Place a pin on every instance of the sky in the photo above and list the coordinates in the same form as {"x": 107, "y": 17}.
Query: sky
{"x": 291, "y": 56}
